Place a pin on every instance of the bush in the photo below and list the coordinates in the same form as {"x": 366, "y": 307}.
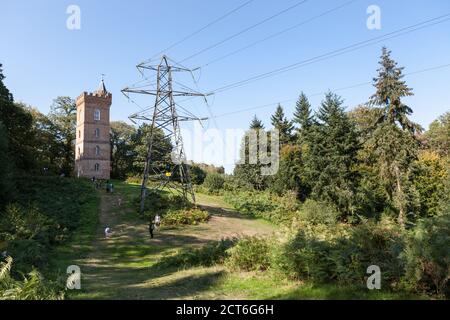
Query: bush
{"x": 249, "y": 254}
{"x": 214, "y": 183}
{"x": 341, "y": 253}
{"x": 427, "y": 256}
{"x": 33, "y": 287}
{"x": 278, "y": 210}
{"x": 210, "y": 254}
{"x": 315, "y": 212}
{"x": 192, "y": 216}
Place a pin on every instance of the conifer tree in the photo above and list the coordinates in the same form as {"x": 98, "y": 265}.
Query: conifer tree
{"x": 330, "y": 161}
{"x": 302, "y": 115}
{"x": 283, "y": 125}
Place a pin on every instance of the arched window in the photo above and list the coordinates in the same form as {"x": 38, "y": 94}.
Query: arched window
{"x": 79, "y": 134}
{"x": 97, "y": 115}
{"x": 97, "y": 133}
{"x": 79, "y": 153}
{"x": 97, "y": 150}
{"x": 97, "y": 167}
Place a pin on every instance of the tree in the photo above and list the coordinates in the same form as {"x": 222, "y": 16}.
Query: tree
{"x": 251, "y": 172}
{"x": 393, "y": 142}
{"x": 390, "y": 91}
{"x": 6, "y": 176}
{"x": 283, "y": 125}
{"x": 63, "y": 117}
{"x": 302, "y": 115}
{"x": 438, "y": 136}
{"x": 332, "y": 156}
{"x": 161, "y": 152}
{"x": 121, "y": 149}
{"x": 17, "y": 124}
{"x": 256, "y": 124}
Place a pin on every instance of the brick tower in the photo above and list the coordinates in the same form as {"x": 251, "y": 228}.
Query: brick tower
{"x": 92, "y": 148}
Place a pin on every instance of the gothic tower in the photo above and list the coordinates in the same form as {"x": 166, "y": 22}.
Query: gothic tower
{"x": 93, "y": 148}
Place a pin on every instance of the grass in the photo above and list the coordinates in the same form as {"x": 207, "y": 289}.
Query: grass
{"x": 130, "y": 265}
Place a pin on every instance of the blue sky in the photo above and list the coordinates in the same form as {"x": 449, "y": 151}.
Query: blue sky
{"x": 42, "y": 59}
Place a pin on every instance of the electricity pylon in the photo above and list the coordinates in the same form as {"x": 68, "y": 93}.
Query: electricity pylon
{"x": 164, "y": 117}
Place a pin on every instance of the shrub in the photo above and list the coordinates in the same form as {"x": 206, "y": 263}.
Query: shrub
{"x": 210, "y": 254}
{"x": 249, "y": 254}
{"x": 369, "y": 243}
{"x": 214, "y": 183}
{"x": 278, "y": 210}
{"x": 32, "y": 287}
{"x": 427, "y": 256}
{"x": 315, "y": 212}
{"x": 192, "y": 216}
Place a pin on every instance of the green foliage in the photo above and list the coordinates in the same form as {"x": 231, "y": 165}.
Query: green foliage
{"x": 214, "y": 183}
{"x": 63, "y": 117}
{"x": 249, "y": 254}
{"x": 314, "y": 212}
{"x": 192, "y": 216}
{"x": 273, "y": 208}
{"x": 303, "y": 117}
{"x": 208, "y": 255}
{"x": 332, "y": 156}
{"x": 32, "y": 287}
{"x": 7, "y": 186}
{"x": 429, "y": 177}
{"x": 173, "y": 209}
{"x": 438, "y": 136}
{"x": 283, "y": 125}
{"x": 122, "y": 151}
{"x": 40, "y": 220}
{"x": 427, "y": 256}
{"x": 197, "y": 175}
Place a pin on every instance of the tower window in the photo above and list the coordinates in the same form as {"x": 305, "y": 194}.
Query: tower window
{"x": 97, "y": 133}
{"x": 97, "y": 167}
{"x": 97, "y": 150}
{"x": 79, "y": 134}
{"x": 97, "y": 115}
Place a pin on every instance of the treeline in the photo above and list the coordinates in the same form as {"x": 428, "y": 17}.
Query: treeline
{"x": 367, "y": 162}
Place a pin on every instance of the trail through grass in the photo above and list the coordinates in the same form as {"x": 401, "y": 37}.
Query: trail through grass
{"x": 125, "y": 266}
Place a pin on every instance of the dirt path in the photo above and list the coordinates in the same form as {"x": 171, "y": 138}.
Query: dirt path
{"x": 120, "y": 267}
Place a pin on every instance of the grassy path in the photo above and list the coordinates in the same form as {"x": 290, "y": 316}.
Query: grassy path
{"x": 121, "y": 267}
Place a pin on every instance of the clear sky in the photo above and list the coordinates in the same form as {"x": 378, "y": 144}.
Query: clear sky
{"x": 43, "y": 59}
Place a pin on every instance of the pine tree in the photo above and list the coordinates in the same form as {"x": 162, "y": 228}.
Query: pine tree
{"x": 330, "y": 161}
{"x": 302, "y": 115}
{"x": 283, "y": 125}
{"x": 390, "y": 91}
{"x": 256, "y": 124}
{"x": 393, "y": 143}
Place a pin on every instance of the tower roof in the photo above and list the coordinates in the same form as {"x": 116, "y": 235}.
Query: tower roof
{"x": 102, "y": 88}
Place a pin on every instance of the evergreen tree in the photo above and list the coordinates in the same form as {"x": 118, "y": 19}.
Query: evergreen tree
{"x": 256, "y": 124}
{"x": 332, "y": 156}
{"x": 283, "y": 125}
{"x": 302, "y": 115}
{"x": 390, "y": 91}
{"x": 393, "y": 144}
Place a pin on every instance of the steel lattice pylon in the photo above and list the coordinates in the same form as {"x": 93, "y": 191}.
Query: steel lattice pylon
{"x": 164, "y": 117}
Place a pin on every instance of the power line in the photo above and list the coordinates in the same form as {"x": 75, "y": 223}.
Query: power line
{"x": 361, "y": 84}
{"x": 276, "y": 34}
{"x": 202, "y": 28}
{"x": 245, "y": 30}
{"x": 338, "y": 52}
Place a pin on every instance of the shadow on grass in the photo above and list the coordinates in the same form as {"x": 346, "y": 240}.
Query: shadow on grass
{"x": 335, "y": 292}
